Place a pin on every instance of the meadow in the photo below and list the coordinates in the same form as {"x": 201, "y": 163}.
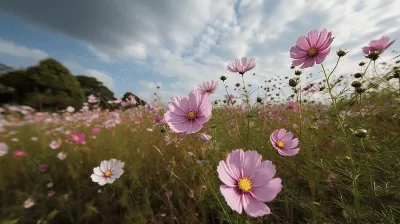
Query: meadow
{"x": 337, "y": 163}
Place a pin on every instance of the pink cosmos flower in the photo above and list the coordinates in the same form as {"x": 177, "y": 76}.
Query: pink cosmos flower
{"x": 311, "y": 49}
{"x": 248, "y": 182}
{"x": 237, "y": 84}
{"x": 95, "y": 131}
{"x": 242, "y": 66}
{"x": 292, "y": 105}
{"x": 43, "y": 167}
{"x": 77, "y": 137}
{"x": 29, "y": 202}
{"x": 209, "y": 87}
{"x": 19, "y": 153}
{"x": 378, "y": 46}
{"x": 285, "y": 144}
{"x": 188, "y": 114}
{"x": 229, "y": 98}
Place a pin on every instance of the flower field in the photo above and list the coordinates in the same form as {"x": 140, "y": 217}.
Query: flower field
{"x": 199, "y": 159}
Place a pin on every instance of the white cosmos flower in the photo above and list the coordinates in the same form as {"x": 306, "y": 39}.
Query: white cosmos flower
{"x": 108, "y": 171}
{"x": 70, "y": 109}
{"x": 55, "y": 144}
{"x": 61, "y": 156}
{"x": 3, "y": 149}
{"x": 29, "y": 203}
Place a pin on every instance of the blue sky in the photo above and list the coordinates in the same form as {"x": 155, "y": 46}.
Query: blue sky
{"x": 134, "y": 45}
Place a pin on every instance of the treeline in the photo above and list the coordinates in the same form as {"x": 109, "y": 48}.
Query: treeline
{"x": 50, "y": 86}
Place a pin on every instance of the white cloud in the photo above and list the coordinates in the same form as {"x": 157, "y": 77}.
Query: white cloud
{"x": 13, "y": 49}
{"x": 78, "y": 69}
{"x": 195, "y": 44}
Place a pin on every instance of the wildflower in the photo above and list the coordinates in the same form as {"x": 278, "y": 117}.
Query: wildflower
{"x": 229, "y": 97}
{"x": 108, "y": 171}
{"x": 61, "y": 156}
{"x": 377, "y": 47}
{"x": 248, "y": 182}
{"x": 34, "y": 139}
{"x": 19, "y": 153}
{"x": 204, "y": 137}
{"x": 43, "y": 167}
{"x": 283, "y": 141}
{"x": 50, "y": 185}
{"x": 3, "y": 148}
{"x": 77, "y": 137}
{"x": 188, "y": 114}
{"x": 209, "y": 87}
{"x": 51, "y": 194}
{"x": 95, "y": 131}
{"x": 92, "y": 99}
{"x": 312, "y": 48}
{"x": 29, "y": 202}
{"x": 242, "y": 66}
{"x": 55, "y": 144}
{"x": 70, "y": 109}
{"x": 293, "y": 105}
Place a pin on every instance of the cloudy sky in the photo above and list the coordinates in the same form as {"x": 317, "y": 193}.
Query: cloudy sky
{"x": 134, "y": 45}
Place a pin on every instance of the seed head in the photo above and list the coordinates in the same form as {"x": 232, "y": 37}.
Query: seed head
{"x": 259, "y": 100}
{"x": 358, "y": 75}
{"x": 361, "y": 64}
{"x": 223, "y": 78}
{"x": 297, "y": 72}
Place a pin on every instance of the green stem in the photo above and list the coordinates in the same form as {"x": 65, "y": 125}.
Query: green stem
{"x": 356, "y": 203}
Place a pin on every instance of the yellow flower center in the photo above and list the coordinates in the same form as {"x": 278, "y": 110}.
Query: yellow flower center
{"x": 245, "y": 185}
{"x": 191, "y": 115}
{"x": 280, "y": 144}
{"x": 76, "y": 138}
{"x": 107, "y": 173}
{"x": 312, "y": 52}
{"x": 208, "y": 90}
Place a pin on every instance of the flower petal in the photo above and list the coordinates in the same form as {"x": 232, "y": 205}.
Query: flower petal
{"x": 232, "y": 198}
{"x": 269, "y": 191}
{"x": 254, "y": 208}
{"x": 225, "y": 175}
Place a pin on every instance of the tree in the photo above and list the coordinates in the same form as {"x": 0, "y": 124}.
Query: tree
{"x": 46, "y": 86}
{"x": 91, "y": 86}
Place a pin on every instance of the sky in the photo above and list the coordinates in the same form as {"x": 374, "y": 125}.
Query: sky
{"x": 136, "y": 45}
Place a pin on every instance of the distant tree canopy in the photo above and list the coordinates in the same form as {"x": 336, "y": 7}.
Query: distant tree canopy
{"x": 91, "y": 86}
{"x": 46, "y": 86}
{"x": 138, "y": 100}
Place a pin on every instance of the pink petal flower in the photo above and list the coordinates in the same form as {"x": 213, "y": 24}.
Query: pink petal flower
{"x": 248, "y": 182}
{"x": 311, "y": 49}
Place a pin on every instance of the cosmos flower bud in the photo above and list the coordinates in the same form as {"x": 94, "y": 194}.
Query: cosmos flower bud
{"x": 356, "y": 84}
{"x": 223, "y": 78}
{"x": 360, "y": 90}
{"x": 259, "y": 100}
{"x": 341, "y": 53}
{"x": 292, "y": 67}
{"x": 163, "y": 129}
{"x": 361, "y": 64}
{"x": 361, "y": 133}
{"x": 297, "y": 72}
{"x": 357, "y": 75}
{"x": 292, "y": 82}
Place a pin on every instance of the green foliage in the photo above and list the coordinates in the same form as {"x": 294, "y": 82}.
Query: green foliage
{"x": 46, "y": 86}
